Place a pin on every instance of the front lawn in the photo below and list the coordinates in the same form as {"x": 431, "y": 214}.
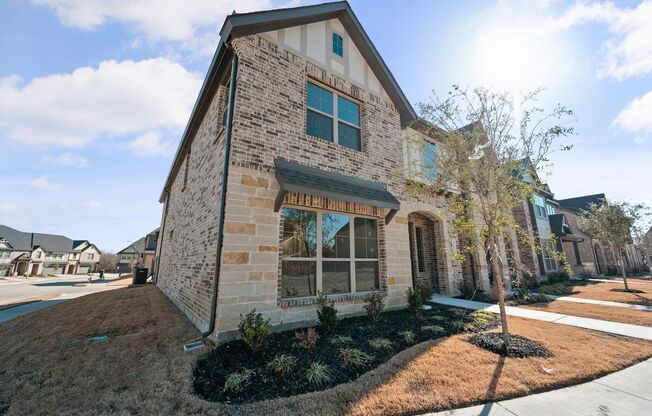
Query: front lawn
{"x": 600, "y": 291}
{"x": 587, "y": 310}
{"x": 234, "y": 373}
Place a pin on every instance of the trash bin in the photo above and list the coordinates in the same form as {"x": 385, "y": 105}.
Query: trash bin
{"x": 140, "y": 276}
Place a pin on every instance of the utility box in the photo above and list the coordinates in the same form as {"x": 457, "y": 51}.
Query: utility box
{"x": 139, "y": 276}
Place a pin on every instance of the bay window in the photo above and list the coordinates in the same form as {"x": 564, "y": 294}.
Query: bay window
{"x": 335, "y": 120}
{"x": 328, "y": 252}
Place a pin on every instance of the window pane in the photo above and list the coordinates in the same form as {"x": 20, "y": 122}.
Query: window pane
{"x": 348, "y": 136}
{"x": 336, "y": 277}
{"x": 366, "y": 276}
{"x": 299, "y": 233}
{"x": 428, "y": 161}
{"x": 298, "y": 278}
{"x": 320, "y": 126}
{"x": 320, "y": 99}
{"x": 420, "y": 253}
{"x": 335, "y": 236}
{"x": 338, "y": 45}
{"x": 348, "y": 111}
{"x": 366, "y": 245}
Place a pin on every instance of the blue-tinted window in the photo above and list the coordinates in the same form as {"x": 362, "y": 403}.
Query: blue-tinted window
{"x": 348, "y": 136}
{"x": 429, "y": 161}
{"x": 320, "y": 126}
{"x": 540, "y": 207}
{"x": 348, "y": 111}
{"x": 338, "y": 45}
{"x": 320, "y": 99}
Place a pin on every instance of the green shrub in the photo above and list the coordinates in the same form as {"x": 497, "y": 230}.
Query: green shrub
{"x": 326, "y": 313}
{"x": 612, "y": 270}
{"x": 318, "y": 373}
{"x": 435, "y": 329}
{"x": 558, "y": 289}
{"x": 238, "y": 380}
{"x": 282, "y": 363}
{"x": 375, "y": 305}
{"x": 408, "y": 336}
{"x": 415, "y": 301}
{"x": 254, "y": 330}
{"x": 341, "y": 340}
{"x": 482, "y": 317}
{"x": 425, "y": 290}
{"x": 355, "y": 357}
{"x": 557, "y": 277}
{"x": 381, "y": 343}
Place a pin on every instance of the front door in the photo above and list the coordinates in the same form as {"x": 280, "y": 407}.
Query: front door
{"x": 423, "y": 253}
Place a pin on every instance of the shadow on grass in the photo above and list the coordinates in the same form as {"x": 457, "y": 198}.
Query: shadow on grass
{"x": 491, "y": 391}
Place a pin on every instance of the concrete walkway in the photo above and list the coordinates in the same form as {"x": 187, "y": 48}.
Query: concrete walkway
{"x": 635, "y": 331}
{"x": 601, "y": 302}
{"x": 626, "y": 392}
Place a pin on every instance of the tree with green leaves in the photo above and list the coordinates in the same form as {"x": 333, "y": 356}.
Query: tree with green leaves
{"x": 613, "y": 223}
{"x": 491, "y": 152}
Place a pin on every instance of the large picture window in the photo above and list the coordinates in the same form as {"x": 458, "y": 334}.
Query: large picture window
{"x": 328, "y": 252}
{"x": 335, "y": 120}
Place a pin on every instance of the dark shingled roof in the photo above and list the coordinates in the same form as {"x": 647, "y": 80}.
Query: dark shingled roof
{"x": 557, "y": 224}
{"x": 295, "y": 177}
{"x": 138, "y": 246}
{"x": 581, "y": 203}
{"x": 22, "y": 241}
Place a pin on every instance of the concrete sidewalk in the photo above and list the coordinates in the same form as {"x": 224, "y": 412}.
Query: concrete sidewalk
{"x": 626, "y": 392}
{"x": 601, "y": 302}
{"x": 617, "y": 328}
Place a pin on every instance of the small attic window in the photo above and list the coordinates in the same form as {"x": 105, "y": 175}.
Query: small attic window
{"x": 338, "y": 45}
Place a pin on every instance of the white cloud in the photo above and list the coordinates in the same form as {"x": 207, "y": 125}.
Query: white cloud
{"x": 629, "y": 50}
{"x": 156, "y": 19}
{"x": 637, "y": 115}
{"x": 114, "y": 98}
{"x": 43, "y": 182}
{"x": 67, "y": 160}
{"x": 93, "y": 205}
{"x": 150, "y": 144}
{"x": 639, "y": 140}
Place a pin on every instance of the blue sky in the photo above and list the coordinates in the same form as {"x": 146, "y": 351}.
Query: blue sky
{"x": 94, "y": 94}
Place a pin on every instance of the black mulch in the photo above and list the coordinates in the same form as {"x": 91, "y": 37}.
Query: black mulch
{"x": 518, "y": 347}
{"x": 627, "y": 290}
{"x": 212, "y": 369}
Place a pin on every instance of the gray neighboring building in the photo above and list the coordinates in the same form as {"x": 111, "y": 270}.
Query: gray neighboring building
{"x": 23, "y": 253}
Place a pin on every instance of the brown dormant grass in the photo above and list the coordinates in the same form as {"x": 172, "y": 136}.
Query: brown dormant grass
{"x": 48, "y": 365}
{"x": 602, "y": 291}
{"x": 607, "y": 313}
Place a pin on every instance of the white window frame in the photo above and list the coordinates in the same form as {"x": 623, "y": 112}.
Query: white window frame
{"x": 549, "y": 261}
{"x": 319, "y": 259}
{"x": 335, "y": 118}
{"x": 539, "y": 209}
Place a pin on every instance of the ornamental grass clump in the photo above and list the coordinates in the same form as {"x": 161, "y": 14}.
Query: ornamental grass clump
{"x": 355, "y": 357}
{"x": 282, "y": 363}
{"x": 237, "y": 381}
{"x": 341, "y": 340}
{"x": 318, "y": 373}
{"x": 381, "y": 344}
{"x": 407, "y": 336}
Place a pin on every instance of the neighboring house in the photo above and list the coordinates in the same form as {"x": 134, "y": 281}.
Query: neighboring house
{"x": 140, "y": 253}
{"x": 589, "y": 254}
{"x": 647, "y": 247}
{"x": 290, "y": 180}
{"x": 24, "y": 253}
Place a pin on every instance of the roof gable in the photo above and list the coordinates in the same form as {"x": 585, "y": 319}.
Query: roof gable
{"x": 581, "y": 203}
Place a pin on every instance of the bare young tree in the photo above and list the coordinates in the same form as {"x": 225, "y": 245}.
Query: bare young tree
{"x": 614, "y": 223}
{"x": 108, "y": 260}
{"x": 491, "y": 154}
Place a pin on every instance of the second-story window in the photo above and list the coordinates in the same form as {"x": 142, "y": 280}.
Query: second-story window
{"x": 540, "y": 207}
{"x": 335, "y": 120}
{"x": 338, "y": 45}
{"x": 428, "y": 161}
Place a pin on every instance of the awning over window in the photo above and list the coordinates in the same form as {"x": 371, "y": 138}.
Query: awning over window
{"x": 295, "y": 177}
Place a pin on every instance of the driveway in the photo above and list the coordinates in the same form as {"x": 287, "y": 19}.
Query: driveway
{"x": 625, "y": 392}
{"x": 14, "y": 290}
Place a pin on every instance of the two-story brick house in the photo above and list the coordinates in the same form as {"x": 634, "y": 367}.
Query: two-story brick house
{"x": 289, "y": 179}
{"x": 139, "y": 253}
{"x": 24, "y": 253}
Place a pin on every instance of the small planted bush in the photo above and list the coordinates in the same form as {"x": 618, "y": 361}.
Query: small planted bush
{"x": 326, "y": 313}
{"x": 341, "y": 340}
{"x": 408, "y": 336}
{"x": 238, "y": 380}
{"x": 254, "y": 330}
{"x": 355, "y": 357}
{"x": 318, "y": 373}
{"x": 282, "y": 363}
{"x": 374, "y": 306}
{"x": 415, "y": 301}
{"x": 482, "y": 317}
{"x": 308, "y": 338}
{"x": 557, "y": 277}
{"x": 381, "y": 344}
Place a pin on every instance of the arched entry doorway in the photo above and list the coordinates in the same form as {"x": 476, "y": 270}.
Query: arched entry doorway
{"x": 426, "y": 251}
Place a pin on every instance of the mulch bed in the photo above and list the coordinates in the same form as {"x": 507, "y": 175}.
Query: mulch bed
{"x": 518, "y": 347}
{"x": 627, "y": 290}
{"x": 213, "y": 368}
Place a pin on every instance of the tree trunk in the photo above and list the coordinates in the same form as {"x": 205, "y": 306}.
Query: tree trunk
{"x": 622, "y": 270}
{"x": 498, "y": 281}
